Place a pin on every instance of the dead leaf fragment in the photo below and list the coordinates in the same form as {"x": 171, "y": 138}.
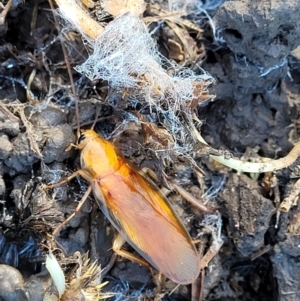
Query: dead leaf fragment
{"x": 175, "y": 51}
{"x": 88, "y": 3}
{"x": 119, "y": 7}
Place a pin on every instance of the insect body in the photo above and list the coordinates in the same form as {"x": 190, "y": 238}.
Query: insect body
{"x": 138, "y": 210}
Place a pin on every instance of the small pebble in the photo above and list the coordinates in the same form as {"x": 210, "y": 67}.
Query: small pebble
{"x": 5, "y": 147}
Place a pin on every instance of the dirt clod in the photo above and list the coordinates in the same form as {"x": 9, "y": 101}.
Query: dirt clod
{"x": 249, "y": 213}
{"x": 59, "y": 138}
{"x": 260, "y": 33}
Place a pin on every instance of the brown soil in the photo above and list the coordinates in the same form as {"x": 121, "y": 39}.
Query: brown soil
{"x": 256, "y": 106}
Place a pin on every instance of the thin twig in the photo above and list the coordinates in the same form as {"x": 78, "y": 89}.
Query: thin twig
{"x": 68, "y": 66}
{"x": 292, "y": 199}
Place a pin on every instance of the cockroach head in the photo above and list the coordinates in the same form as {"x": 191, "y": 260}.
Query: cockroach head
{"x": 85, "y": 137}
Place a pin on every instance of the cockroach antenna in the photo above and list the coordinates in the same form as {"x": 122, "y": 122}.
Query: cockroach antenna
{"x": 68, "y": 67}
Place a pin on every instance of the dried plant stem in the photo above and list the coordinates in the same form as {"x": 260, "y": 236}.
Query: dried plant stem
{"x": 272, "y": 165}
{"x": 80, "y": 18}
{"x": 291, "y": 199}
{"x": 252, "y": 167}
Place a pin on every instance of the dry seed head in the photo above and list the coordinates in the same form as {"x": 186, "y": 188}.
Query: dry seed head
{"x": 84, "y": 282}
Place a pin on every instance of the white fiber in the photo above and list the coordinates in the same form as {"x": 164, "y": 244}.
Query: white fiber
{"x": 126, "y": 56}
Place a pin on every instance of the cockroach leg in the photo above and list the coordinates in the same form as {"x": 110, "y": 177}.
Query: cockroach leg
{"x": 117, "y": 247}
{"x": 165, "y": 190}
{"x": 82, "y": 201}
{"x": 197, "y": 288}
{"x": 150, "y": 173}
{"x": 192, "y": 200}
{"x": 118, "y": 242}
{"x": 87, "y": 177}
{"x": 212, "y": 251}
{"x": 110, "y": 264}
{"x": 157, "y": 281}
{"x": 79, "y": 172}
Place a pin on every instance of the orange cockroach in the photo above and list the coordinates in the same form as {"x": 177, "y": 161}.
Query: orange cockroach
{"x": 137, "y": 209}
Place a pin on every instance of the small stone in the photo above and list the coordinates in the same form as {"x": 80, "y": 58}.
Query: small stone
{"x": 5, "y": 147}
{"x": 11, "y": 284}
{"x": 48, "y": 118}
{"x": 9, "y": 126}
{"x": 81, "y": 235}
{"x": 59, "y": 138}
{"x": 22, "y": 156}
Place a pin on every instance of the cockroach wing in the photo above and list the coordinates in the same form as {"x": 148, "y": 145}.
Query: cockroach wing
{"x": 146, "y": 220}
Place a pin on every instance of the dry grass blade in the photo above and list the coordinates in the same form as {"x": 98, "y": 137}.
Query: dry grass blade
{"x": 85, "y": 282}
